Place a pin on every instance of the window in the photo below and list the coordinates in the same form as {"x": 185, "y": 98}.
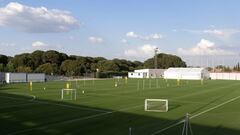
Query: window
{"x": 138, "y": 74}
{"x": 131, "y": 73}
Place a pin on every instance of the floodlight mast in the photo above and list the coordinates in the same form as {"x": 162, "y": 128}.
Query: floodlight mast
{"x": 155, "y": 63}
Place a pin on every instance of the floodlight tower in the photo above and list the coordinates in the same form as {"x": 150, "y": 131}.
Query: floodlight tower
{"x": 155, "y": 55}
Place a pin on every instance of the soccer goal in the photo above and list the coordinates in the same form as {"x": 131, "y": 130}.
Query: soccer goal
{"x": 156, "y": 105}
{"x": 69, "y": 94}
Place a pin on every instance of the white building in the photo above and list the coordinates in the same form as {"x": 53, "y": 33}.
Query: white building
{"x": 15, "y": 77}
{"x": 146, "y": 73}
{"x": 186, "y": 73}
{"x": 36, "y": 77}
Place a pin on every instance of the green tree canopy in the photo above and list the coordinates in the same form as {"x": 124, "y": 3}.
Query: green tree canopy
{"x": 22, "y": 60}
{"x": 2, "y": 69}
{"x": 24, "y": 69}
{"x": 69, "y": 67}
{"x": 165, "y": 61}
{"x": 60, "y": 63}
{"x": 37, "y": 58}
{"x": 52, "y": 57}
{"x": 108, "y": 65}
{"x": 47, "y": 68}
{"x": 3, "y": 59}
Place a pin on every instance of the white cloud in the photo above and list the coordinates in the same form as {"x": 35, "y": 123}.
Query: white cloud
{"x": 124, "y": 41}
{"x": 71, "y": 37}
{"x": 8, "y": 48}
{"x": 38, "y": 44}
{"x": 155, "y": 36}
{"x": 132, "y": 34}
{"x": 36, "y": 20}
{"x": 95, "y": 40}
{"x": 204, "y": 47}
{"x": 221, "y": 32}
{"x": 214, "y": 32}
{"x": 3, "y": 44}
{"x": 144, "y": 51}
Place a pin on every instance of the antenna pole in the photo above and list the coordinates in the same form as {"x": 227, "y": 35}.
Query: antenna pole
{"x": 155, "y": 55}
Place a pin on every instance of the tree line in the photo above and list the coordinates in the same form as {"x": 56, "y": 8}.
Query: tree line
{"x": 223, "y": 68}
{"x": 56, "y": 63}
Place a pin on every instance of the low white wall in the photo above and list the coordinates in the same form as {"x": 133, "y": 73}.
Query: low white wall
{"x": 2, "y": 77}
{"x": 16, "y": 77}
{"x": 36, "y": 77}
{"x": 225, "y": 76}
{"x": 24, "y": 77}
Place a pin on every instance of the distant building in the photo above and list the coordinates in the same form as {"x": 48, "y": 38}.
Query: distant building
{"x": 186, "y": 73}
{"x": 146, "y": 73}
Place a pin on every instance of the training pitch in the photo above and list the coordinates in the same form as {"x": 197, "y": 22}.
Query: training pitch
{"x": 116, "y": 107}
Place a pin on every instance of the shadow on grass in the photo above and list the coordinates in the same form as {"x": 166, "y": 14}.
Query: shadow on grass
{"x": 3, "y": 87}
{"x": 45, "y": 117}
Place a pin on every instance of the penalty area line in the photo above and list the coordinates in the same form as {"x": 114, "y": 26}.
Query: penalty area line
{"x": 196, "y": 115}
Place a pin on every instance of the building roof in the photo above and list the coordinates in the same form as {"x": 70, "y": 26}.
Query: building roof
{"x": 184, "y": 70}
{"x": 147, "y": 70}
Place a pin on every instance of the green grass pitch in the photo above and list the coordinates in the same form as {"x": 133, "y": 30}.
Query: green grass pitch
{"x": 104, "y": 109}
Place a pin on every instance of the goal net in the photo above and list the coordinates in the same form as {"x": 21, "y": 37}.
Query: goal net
{"x": 68, "y": 94}
{"x": 156, "y": 105}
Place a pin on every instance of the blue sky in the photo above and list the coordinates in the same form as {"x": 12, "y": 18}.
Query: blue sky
{"x": 128, "y": 29}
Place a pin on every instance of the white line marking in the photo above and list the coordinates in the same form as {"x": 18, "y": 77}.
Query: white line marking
{"x": 196, "y": 115}
{"x": 189, "y": 102}
{"x": 217, "y": 106}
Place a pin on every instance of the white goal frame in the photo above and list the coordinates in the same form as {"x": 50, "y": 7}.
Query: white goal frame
{"x": 72, "y": 92}
{"x": 157, "y": 100}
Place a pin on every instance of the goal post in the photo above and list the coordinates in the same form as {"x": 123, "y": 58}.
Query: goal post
{"x": 69, "y": 94}
{"x": 156, "y": 105}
